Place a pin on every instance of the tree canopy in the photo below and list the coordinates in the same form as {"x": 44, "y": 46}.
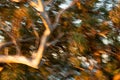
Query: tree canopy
{"x": 84, "y": 43}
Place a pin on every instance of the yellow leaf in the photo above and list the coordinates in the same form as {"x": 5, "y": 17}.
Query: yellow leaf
{"x": 1, "y": 68}
{"x": 116, "y": 77}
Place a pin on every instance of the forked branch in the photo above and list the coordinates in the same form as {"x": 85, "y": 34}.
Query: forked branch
{"x": 36, "y": 56}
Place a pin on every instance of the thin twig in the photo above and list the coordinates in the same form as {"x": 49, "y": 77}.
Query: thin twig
{"x": 13, "y": 40}
{"x": 6, "y": 44}
{"x": 36, "y": 35}
{"x": 56, "y": 40}
{"x": 48, "y": 2}
{"x": 57, "y": 18}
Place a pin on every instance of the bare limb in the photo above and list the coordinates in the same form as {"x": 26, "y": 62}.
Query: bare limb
{"x": 38, "y": 55}
{"x": 18, "y": 59}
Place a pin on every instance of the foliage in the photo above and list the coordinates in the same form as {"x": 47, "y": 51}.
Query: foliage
{"x": 89, "y": 51}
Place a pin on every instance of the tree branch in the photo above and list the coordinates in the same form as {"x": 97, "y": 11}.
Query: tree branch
{"x": 6, "y": 44}
{"x": 36, "y": 57}
{"x": 57, "y": 18}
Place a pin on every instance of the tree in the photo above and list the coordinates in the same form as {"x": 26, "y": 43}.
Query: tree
{"x": 82, "y": 43}
{"x": 36, "y": 56}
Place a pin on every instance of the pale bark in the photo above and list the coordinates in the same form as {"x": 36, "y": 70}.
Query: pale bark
{"x": 36, "y": 57}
